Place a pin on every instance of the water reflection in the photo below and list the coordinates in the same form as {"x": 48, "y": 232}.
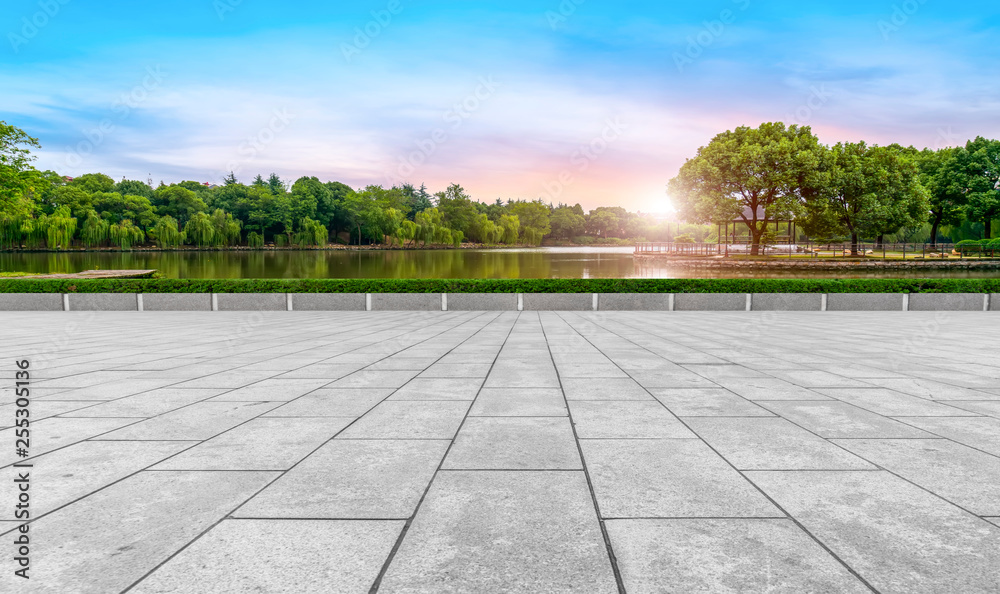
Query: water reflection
{"x": 505, "y": 263}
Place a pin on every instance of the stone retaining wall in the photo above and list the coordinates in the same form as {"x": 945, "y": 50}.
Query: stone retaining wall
{"x": 499, "y": 302}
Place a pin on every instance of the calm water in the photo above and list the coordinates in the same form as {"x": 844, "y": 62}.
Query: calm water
{"x": 507, "y": 263}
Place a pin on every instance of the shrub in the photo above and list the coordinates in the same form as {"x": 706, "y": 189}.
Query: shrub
{"x": 684, "y": 239}
{"x": 968, "y": 246}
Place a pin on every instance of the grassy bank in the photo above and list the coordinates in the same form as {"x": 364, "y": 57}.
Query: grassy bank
{"x": 23, "y": 285}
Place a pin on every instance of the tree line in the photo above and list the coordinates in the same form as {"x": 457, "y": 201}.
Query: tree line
{"x": 758, "y": 176}
{"x": 44, "y": 209}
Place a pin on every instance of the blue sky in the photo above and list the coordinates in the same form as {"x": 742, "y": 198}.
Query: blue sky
{"x": 584, "y": 101}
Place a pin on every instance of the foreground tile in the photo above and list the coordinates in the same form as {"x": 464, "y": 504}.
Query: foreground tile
{"x": 148, "y": 404}
{"x": 604, "y": 389}
{"x": 978, "y": 432}
{"x": 375, "y": 379}
{"x": 196, "y": 422}
{"x": 352, "y": 479}
{"x": 56, "y": 432}
{"x": 626, "y": 420}
{"x": 273, "y": 556}
{"x": 839, "y": 419}
{"x": 960, "y": 474}
{"x": 669, "y": 478}
{"x": 346, "y": 402}
{"x": 708, "y": 403}
{"x": 925, "y": 388}
{"x": 409, "y": 420}
{"x": 897, "y": 536}
{"x": 757, "y": 388}
{"x": 519, "y": 402}
{"x": 503, "y": 532}
{"x": 261, "y": 444}
{"x": 80, "y": 469}
{"x": 507, "y": 443}
{"x": 772, "y": 444}
{"x": 422, "y": 388}
{"x": 107, "y": 541}
{"x": 725, "y": 556}
{"x": 273, "y": 390}
{"x": 990, "y": 409}
{"x": 893, "y": 404}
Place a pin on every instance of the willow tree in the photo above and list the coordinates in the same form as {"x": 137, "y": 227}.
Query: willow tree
{"x": 753, "y": 175}
{"x": 311, "y": 233}
{"x": 510, "y": 228}
{"x": 59, "y": 228}
{"x": 95, "y": 230}
{"x": 227, "y": 230}
{"x": 125, "y": 234}
{"x": 255, "y": 240}
{"x": 200, "y": 229}
{"x": 167, "y": 233}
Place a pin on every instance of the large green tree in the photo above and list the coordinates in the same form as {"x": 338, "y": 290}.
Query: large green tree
{"x": 869, "y": 191}
{"x": 945, "y": 188}
{"x": 19, "y": 181}
{"x": 753, "y": 175}
{"x": 177, "y": 202}
{"x": 977, "y": 168}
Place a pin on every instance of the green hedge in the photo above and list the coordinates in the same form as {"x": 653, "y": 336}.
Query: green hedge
{"x": 21, "y": 285}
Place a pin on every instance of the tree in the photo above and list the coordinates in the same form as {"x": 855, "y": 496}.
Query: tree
{"x": 978, "y": 170}
{"x": 94, "y": 182}
{"x": 18, "y": 179}
{"x": 177, "y": 202}
{"x": 566, "y": 224}
{"x": 457, "y": 208}
{"x": 167, "y": 234}
{"x": 226, "y": 228}
{"x": 307, "y": 195}
{"x": 133, "y": 187}
{"x": 755, "y": 175}
{"x": 946, "y": 193}
{"x": 417, "y": 199}
{"x": 200, "y": 230}
{"x": 117, "y": 208}
{"x": 869, "y": 191}
{"x": 534, "y": 220}
{"x": 230, "y": 180}
{"x": 277, "y": 186}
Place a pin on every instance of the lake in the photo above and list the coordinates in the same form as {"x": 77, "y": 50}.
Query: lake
{"x": 571, "y": 262}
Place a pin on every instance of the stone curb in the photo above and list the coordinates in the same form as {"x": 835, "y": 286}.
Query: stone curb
{"x": 499, "y": 302}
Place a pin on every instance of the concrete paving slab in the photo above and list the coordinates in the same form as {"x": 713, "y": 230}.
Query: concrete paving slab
{"x": 109, "y": 540}
{"x": 409, "y": 420}
{"x": 686, "y": 379}
{"x": 725, "y": 556}
{"x": 345, "y": 402}
{"x": 772, "y": 444}
{"x": 301, "y": 556}
{"x": 406, "y": 302}
{"x": 503, "y": 532}
{"x": 897, "y": 536}
{"x": 66, "y": 475}
{"x": 202, "y": 420}
{"x": 103, "y": 302}
{"x": 477, "y": 370}
{"x": 982, "y": 433}
{"x": 147, "y": 404}
{"x": 423, "y": 388}
{"x": 522, "y": 374}
{"x": 991, "y": 408}
{"x": 31, "y": 302}
{"x": 964, "y": 476}
{"x": 532, "y": 443}
{"x": 707, "y": 403}
{"x": 259, "y": 444}
{"x": 558, "y": 301}
{"x": 669, "y": 478}
{"x": 57, "y": 432}
{"x": 946, "y": 302}
{"x": 634, "y": 302}
{"x": 839, "y": 419}
{"x": 626, "y": 420}
{"x": 933, "y": 390}
{"x": 272, "y": 390}
{"x": 374, "y": 379}
{"x": 356, "y": 479}
{"x": 893, "y": 404}
{"x": 44, "y": 409}
{"x": 519, "y": 402}
{"x": 710, "y": 302}
{"x": 604, "y": 389}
